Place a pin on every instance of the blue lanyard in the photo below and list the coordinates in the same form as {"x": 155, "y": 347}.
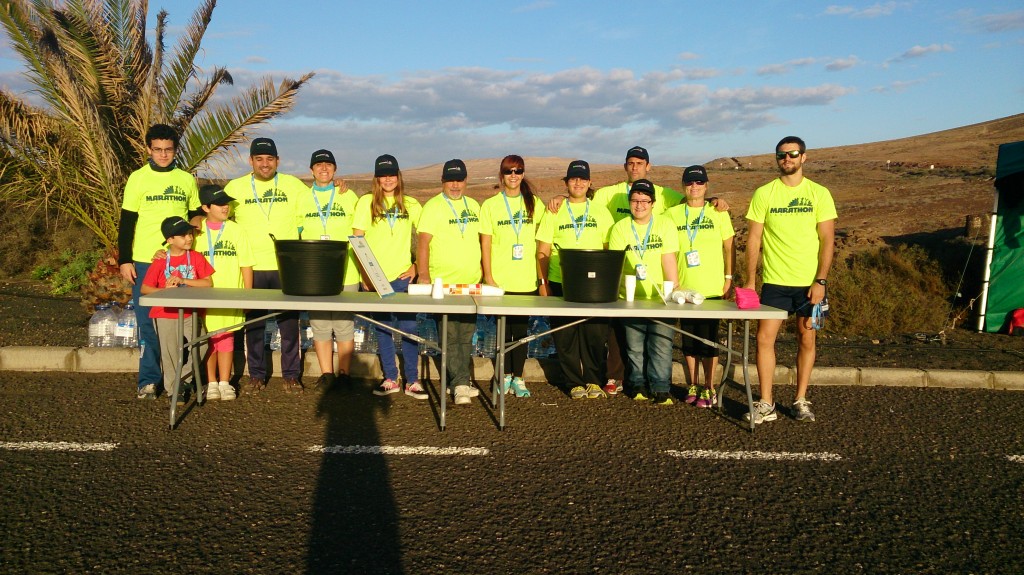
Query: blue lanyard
{"x": 392, "y": 216}
{"x": 641, "y": 248}
{"x": 213, "y": 243}
{"x": 700, "y": 219}
{"x": 578, "y": 229}
{"x": 517, "y": 222}
{"x": 266, "y": 213}
{"x": 463, "y": 220}
{"x": 324, "y": 214}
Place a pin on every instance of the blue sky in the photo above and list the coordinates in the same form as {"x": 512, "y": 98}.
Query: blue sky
{"x": 691, "y": 81}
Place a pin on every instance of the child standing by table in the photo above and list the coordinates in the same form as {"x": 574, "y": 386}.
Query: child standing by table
{"x": 386, "y": 217}
{"x": 180, "y": 267}
{"x": 223, "y": 243}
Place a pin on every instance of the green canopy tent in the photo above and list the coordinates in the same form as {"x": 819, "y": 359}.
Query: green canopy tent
{"x": 1003, "y": 285}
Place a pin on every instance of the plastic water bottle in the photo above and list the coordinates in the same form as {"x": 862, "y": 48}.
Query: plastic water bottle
{"x": 365, "y": 337}
{"x": 272, "y": 336}
{"x": 542, "y": 347}
{"x": 305, "y": 332}
{"x": 127, "y": 331}
{"x": 102, "y": 325}
{"x": 426, "y": 328}
{"x": 487, "y": 338}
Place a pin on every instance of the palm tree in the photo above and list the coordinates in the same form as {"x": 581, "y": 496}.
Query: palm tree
{"x": 102, "y": 86}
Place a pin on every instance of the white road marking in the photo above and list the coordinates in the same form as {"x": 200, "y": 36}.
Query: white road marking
{"x": 1016, "y": 458}
{"x": 55, "y": 446}
{"x": 397, "y": 450}
{"x": 754, "y": 455}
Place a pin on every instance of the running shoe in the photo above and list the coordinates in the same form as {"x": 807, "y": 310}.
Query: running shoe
{"x": 594, "y": 391}
{"x": 662, "y": 398}
{"x": 518, "y": 386}
{"x": 387, "y": 387}
{"x": 325, "y": 382}
{"x": 212, "y": 391}
{"x": 293, "y": 385}
{"x": 802, "y": 410}
{"x": 463, "y": 394}
{"x": 227, "y": 391}
{"x": 578, "y": 392}
{"x": 416, "y": 390}
{"x": 256, "y": 385}
{"x": 147, "y": 391}
{"x": 639, "y": 396}
{"x": 762, "y": 412}
{"x": 692, "y": 393}
{"x": 707, "y": 398}
{"x": 506, "y": 384}
{"x": 611, "y": 388}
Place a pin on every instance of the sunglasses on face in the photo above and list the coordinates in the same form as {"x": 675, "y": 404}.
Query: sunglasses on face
{"x": 516, "y": 171}
{"x": 792, "y": 154}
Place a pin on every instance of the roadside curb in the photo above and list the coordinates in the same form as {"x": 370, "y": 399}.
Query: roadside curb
{"x": 126, "y": 360}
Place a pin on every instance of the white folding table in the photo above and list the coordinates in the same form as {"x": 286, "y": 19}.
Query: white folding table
{"x": 360, "y": 303}
{"x": 519, "y": 305}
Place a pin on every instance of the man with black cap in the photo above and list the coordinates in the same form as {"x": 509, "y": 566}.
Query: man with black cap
{"x": 265, "y": 205}
{"x": 325, "y": 212}
{"x": 157, "y": 190}
{"x": 449, "y": 248}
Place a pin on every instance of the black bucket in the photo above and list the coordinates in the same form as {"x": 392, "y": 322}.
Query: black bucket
{"x": 311, "y": 267}
{"x": 591, "y": 276}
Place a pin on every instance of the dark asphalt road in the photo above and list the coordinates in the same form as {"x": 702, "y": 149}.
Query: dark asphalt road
{"x": 924, "y": 483}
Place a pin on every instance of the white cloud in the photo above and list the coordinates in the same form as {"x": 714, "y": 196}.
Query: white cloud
{"x": 842, "y": 63}
{"x": 688, "y": 56}
{"x": 919, "y": 51}
{"x": 784, "y": 67}
{"x": 995, "y": 23}
{"x": 874, "y": 11}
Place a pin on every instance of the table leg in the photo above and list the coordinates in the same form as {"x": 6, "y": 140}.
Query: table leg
{"x": 746, "y": 375}
{"x": 727, "y": 367}
{"x": 444, "y": 367}
{"x": 499, "y": 371}
{"x": 176, "y": 385}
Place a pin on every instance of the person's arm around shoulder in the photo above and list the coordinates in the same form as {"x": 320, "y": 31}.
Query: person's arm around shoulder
{"x": 755, "y": 231}
{"x": 719, "y": 204}
{"x": 555, "y": 203}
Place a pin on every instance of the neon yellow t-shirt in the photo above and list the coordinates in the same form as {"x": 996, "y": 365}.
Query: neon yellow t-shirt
{"x": 155, "y": 196}
{"x": 662, "y": 240}
{"x": 560, "y": 229}
{"x": 709, "y": 228}
{"x": 319, "y": 216}
{"x": 500, "y": 222}
{"x": 264, "y": 208}
{"x": 616, "y": 199}
{"x": 454, "y": 226}
{"x": 230, "y": 253}
{"x": 790, "y": 240}
{"x": 391, "y": 244}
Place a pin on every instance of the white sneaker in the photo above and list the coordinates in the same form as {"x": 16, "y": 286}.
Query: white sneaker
{"x": 464, "y": 394}
{"x": 227, "y": 392}
{"x": 212, "y": 391}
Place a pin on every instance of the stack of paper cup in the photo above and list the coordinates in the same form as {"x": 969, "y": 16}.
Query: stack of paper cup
{"x": 630, "y": 287}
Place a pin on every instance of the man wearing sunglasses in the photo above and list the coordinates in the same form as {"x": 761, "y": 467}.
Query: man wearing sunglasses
{"x": 793, "y": 220}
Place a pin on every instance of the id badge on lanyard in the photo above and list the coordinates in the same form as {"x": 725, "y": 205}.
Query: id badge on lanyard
{"x": 692, "y": 259}
{"x": 641, "y": 272}
{"x": 517, "y": 252}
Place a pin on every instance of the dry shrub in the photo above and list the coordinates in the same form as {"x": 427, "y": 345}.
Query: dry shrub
{"x": 886, "y": 291}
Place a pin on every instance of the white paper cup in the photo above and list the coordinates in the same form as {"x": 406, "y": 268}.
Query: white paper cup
{"x": 666, "y": 288}
{"x": 437, "y": 291}
{"x": 630, "y": 287}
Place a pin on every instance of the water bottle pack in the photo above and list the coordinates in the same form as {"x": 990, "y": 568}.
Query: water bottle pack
{"x": 103, "y": 326}
{"x": 365, "y": 337}
{"x": 542, "y": 347}
{"x": 485, "y": 339}
{"x": 127, "y": 330}
{"x": 426, "y": 328}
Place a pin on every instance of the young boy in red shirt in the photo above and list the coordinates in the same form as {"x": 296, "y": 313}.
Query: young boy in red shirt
{"x": 180, "y": 267}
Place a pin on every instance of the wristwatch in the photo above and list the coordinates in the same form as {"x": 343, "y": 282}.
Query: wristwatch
{"x": 821, "y": 281}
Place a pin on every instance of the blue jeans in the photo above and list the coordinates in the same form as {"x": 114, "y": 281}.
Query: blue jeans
{"x": 649, "y": 349}
{"x": 149, "y": 356}
{"x": 386, "y": 343}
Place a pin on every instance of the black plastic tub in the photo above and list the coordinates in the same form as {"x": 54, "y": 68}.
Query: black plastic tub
{"x": 591, "y": 276}
{"x": 311, "y": 267}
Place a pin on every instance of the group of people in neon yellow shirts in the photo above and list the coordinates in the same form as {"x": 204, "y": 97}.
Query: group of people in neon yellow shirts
{"x": 510, "y": 240}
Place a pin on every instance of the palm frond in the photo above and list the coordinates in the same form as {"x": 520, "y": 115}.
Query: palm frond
{"x": 181, "y": 68}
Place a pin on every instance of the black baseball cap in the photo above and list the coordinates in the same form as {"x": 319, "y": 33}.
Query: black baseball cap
{"x": 453, "y": 171}
{"x": 261, "y": 146}
{"x": 577, "y": 169}
{"x": 642, "y": 187}
{"x": 638, "y": 152}
{"x": 214, "y": 195}
{"x": 385, "y": 165}
{"x": 695, "y": 174}
{"x": 322, "y": 156}
{"x": 175, "y": 226}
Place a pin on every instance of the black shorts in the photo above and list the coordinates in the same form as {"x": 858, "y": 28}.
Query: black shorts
{"x": 705, "y": 328}
{"x": 791, "y": 299}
